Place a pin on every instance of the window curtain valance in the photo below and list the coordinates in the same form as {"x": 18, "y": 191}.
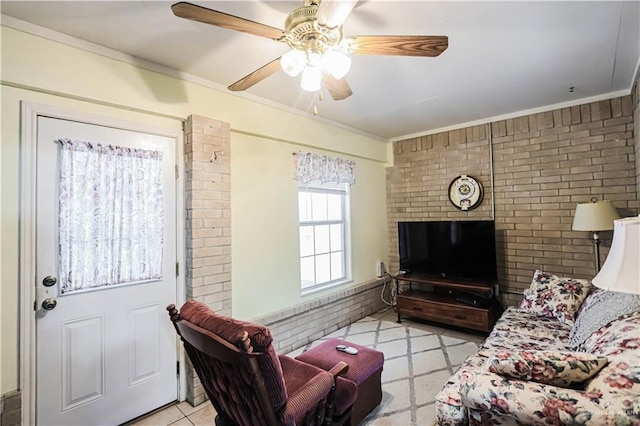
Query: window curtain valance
{"x": 319, "y": 168}
{"x": 111, "y": 217}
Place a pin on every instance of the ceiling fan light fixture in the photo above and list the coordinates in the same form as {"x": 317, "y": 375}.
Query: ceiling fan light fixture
{"x": 311, "y": 79}
{"x": 314, "y": 59}
{"x": 310, "y": 31}
{"x": 293, "y": 62}
{"x": 336, "y": 63}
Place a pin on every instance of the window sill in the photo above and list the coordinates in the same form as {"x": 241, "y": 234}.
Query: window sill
{"x": 322, "y": 287}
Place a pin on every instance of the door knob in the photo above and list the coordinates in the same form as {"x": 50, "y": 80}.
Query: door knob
{"x": 49, "y": 303}
{"x": 49, "y": 281}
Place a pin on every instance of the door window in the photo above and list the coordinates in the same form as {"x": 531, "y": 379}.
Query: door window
{"x": 111, "y": 217}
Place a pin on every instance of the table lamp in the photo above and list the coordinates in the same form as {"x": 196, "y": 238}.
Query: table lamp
{"x": 621, "y": 270}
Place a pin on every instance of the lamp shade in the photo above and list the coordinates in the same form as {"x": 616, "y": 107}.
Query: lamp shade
{"x": 621, "y": 270}
{"x": 594, "y": 216}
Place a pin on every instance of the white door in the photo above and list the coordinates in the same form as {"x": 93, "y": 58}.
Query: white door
{"x": 105, "y": 355}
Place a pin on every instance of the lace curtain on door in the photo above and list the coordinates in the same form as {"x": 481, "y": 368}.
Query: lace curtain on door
{"x": 318, "y": 168}
{"x": 111, "y": 216}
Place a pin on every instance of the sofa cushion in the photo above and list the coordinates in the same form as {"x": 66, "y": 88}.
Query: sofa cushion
{"x": 519, "y": 330}
{"x": 449, "y": 408}
{"x": 600, "y": 308}
{"x": 555, "y": 297}
{"x": 491, "y": 399}
{"x": 551, "y": 367}
{"x": 527, "y": 323}
{"x": 619, "y": 341}
{"x": 512, "y": 341}
{"x": 229, "y": 328}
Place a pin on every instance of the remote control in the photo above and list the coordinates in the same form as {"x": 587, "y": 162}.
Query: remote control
{"x": 347, "y": 349}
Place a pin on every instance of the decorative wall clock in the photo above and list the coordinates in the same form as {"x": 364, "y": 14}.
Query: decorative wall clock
{"x": 465, "y": 192}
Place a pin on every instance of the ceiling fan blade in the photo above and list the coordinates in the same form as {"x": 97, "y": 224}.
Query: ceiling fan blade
{"x": 257, "y": 76}
{"x": 332, "y": 13}
{"x": 339, "y": 89}
{"x": 208, "y": 16}
{"x": 398, "y": 45}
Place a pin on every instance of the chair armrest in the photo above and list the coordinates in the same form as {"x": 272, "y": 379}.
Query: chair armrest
{"x": 339, "y": 369}
{"x": 306, "y": 385}
{"x": 342, "y": 396}
{"x": 534, "y": 403}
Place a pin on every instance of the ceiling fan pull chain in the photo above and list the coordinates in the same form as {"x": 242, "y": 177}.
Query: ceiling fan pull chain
{"x": 320, "y": 98}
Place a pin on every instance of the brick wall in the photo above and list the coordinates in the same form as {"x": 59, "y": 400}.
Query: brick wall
{"x": 302, "y": 324}
{"x": 208, "y": 222}
{"x": 636, "y": 122}
{"x": 418, "y": 183}
{"x": 543, "y": 165}
{"x": 10, "y": 404}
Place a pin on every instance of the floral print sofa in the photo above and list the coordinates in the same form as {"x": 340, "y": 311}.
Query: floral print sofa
{"x": 569, "y": 355}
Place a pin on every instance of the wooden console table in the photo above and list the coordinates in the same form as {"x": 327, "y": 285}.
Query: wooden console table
{"x": 439, "y": 300}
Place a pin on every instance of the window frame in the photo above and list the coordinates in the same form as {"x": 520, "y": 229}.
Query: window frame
{"x": 344, "y": 191}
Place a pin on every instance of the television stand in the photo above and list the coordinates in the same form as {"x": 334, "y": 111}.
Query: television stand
{"x": 461, "y": 303}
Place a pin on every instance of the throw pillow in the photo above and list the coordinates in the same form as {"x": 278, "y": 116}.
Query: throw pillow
{"x": 599, "y": 309}
{"x": 549, "y": 367}
{"x": 555, "y": 297}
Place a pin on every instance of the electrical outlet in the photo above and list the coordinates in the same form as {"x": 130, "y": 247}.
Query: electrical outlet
{"x": 380, "y": 269}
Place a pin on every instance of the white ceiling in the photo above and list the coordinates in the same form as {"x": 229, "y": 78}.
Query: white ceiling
{"x": 503, "y": 57}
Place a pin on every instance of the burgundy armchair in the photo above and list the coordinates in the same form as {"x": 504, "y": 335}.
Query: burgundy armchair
{"x": 247, "y": 383}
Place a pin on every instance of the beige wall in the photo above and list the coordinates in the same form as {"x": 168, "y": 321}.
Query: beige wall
{"x": 41, "y": 71}
{"x": 543, "y": 165}
{"x": 266, "y": 245}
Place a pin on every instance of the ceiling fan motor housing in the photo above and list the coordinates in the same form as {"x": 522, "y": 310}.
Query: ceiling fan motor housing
{"x": 306, "y": 34}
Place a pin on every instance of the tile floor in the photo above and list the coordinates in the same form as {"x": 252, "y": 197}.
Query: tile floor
{"x": 182, "y": 414}
{"x": 428, "y": 339}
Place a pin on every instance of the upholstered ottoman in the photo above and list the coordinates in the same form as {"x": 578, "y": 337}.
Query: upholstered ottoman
{"x": 365, "y": 370}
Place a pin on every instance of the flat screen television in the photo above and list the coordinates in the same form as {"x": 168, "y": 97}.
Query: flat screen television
{"x": 464, "y": 250}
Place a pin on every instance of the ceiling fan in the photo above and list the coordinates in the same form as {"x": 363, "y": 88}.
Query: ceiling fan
{"x": 318, "y": 48}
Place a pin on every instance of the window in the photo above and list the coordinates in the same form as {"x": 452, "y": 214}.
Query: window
{"x": 324, "y": 230}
